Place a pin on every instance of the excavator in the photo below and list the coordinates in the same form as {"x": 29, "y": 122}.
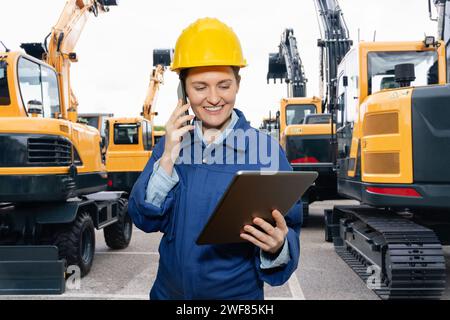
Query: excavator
{"x": 129, "y": 141}
{"x": 390, "y": 102}
{"x": 305, "y": 131}
{"x": 52, "y": 170}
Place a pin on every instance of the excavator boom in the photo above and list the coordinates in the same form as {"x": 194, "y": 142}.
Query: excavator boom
{"x": 161, "y": 60}
{"x": 58, "y": 48}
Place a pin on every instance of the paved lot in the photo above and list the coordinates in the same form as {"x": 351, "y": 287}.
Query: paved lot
{"x": 129, "y": 273}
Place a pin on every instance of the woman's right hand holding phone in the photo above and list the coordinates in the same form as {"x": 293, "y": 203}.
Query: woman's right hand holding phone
{"x": 177, "y": 125}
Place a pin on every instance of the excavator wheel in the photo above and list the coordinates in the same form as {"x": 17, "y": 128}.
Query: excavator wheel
{"x": 118, "y": 235}
{"x": 76, "y": 242}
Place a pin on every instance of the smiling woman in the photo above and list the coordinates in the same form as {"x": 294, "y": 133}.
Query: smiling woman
{"x": 176, "y": 194}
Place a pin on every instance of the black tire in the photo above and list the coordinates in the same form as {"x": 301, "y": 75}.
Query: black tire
{"x": 118, "y": 235}
{"x": 76, "y": 242}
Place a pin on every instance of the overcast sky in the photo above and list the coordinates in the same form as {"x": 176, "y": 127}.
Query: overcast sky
{"x": 115, "y": 49}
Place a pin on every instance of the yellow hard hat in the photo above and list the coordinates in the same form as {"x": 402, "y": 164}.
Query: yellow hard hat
{"x": 207, "y": 42}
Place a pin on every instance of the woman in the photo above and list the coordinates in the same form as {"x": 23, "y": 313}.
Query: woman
{"x": 191, "y": 168}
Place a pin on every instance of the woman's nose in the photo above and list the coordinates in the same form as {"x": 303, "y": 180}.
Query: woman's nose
{"x": 213, "y": 97}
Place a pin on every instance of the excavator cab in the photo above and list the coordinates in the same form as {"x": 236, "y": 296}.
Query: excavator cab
{"x": 376, "y": 147}
{"x": 38, "y": 146}
{"x": 37, "y": 83}
{"x": 129, "y": 146}
{"x": 294, "y": 132}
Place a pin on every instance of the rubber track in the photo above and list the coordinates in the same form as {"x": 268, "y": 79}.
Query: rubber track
{"x": 415, "y": 254}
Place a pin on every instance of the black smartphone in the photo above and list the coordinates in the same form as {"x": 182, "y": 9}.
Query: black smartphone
{"x": 183, "y": 96}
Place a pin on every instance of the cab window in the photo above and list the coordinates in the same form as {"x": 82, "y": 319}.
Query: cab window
{"x": 39, "y": 83}
{"x": 295, "y": 113}
{"x": 4, "y": 91}
{"x": 381, "y": 67}
{"x": 126, "y": 133}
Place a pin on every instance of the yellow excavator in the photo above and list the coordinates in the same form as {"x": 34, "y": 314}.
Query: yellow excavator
{"x": 391, "y": 110}
{"x": 52, "y": 169}
{"x": 129, "y": 141}
{"x": 305, "y": 132}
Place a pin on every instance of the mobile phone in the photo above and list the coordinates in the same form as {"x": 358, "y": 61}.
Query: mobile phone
{"x": 183, "y": 96}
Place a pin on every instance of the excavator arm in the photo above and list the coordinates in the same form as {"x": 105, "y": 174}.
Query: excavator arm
{"x": 334, "y": 44}
{"x": 161, "y": 60}
{"x": 286, "y": 64}
{"x": 62, "y": 42}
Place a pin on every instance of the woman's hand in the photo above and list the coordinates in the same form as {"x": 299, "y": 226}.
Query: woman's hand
{"x": 175, "y": 129}
{"x": 271, "y": 239}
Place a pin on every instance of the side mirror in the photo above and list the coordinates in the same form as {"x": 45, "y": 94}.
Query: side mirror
{"x": 34, "y": 107}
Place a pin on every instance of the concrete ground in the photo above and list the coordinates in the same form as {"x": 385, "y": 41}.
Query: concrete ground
{"x": 321, "y": 275}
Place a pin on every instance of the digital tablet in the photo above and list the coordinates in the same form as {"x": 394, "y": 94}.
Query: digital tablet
{"x": 252, "y": 194}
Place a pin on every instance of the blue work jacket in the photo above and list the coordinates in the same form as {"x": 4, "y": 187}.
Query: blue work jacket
{"x": 229, "y": 271}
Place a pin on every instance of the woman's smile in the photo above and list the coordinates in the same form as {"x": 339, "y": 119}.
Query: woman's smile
{"x": 214, "y": 110}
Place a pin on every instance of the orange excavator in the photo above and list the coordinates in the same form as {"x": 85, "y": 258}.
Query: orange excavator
{"x": 52, "y": 170}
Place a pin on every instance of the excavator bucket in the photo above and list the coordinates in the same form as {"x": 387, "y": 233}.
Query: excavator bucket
{"x": 31, "y": 270}
{"x": 277, "y": 68}
{"x": 35, "y": 49}
{"x": 162, "y": 57}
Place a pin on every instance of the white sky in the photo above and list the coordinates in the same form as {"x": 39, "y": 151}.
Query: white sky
{"x": 115, "y": 49}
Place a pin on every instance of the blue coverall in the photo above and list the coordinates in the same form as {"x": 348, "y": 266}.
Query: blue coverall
{"x": 187, "y": 270}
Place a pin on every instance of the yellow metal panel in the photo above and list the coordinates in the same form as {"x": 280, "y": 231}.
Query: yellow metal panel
{"x": 309, "y": 129}
{"x": 381, "y": 103}
{"x": 33, "y": 170}
{"x": 381, "y": 123}
{"x": 382, "y": 163}
{"x": 127, "y": 161}
{"x": 87, "y": 143}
